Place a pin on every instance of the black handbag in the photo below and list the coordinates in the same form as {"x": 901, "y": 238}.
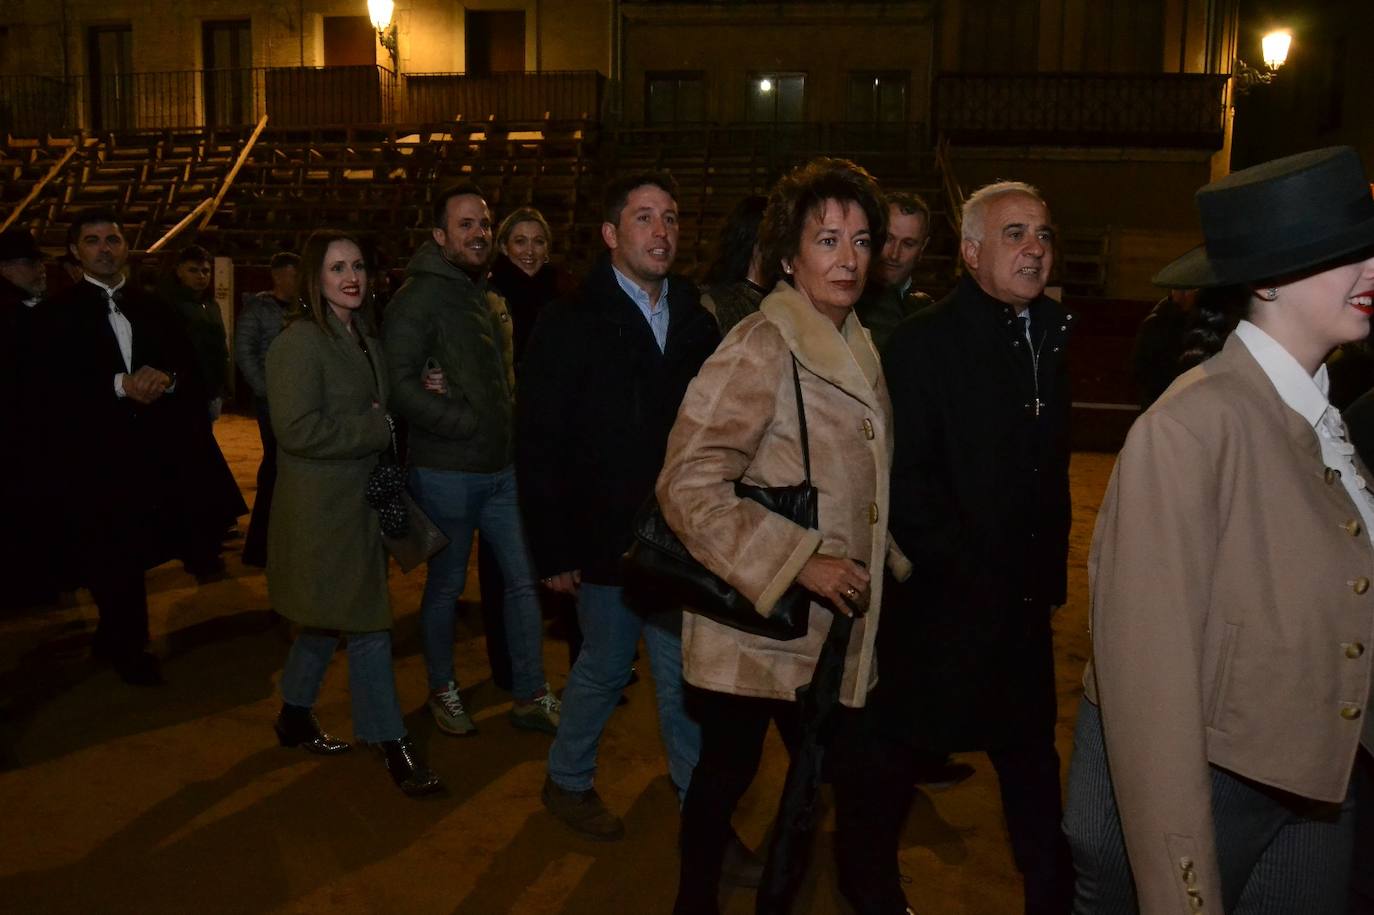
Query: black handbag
{"x": 407, "y": 532}
{"x": 657, "y": 553}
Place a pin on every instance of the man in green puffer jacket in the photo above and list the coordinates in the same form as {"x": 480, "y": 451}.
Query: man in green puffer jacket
{"x": 448, "y": 348}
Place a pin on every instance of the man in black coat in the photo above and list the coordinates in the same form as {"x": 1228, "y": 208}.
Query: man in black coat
{"x": 980, "y": 503}
{"x": 25, "y": 566}
{"x": 600, "y": 385}
{"x": 126, "y": 433}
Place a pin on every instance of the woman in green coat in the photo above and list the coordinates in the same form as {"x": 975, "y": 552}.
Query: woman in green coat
{"x": 326, "y": 567}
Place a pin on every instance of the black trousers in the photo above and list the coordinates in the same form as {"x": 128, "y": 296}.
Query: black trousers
{"x": 732, "y": 733}
{"x": 1028, "y": 776}
{"x": 121, "y": 597}
{"x": 733, "y": 729}
{"x": 255, "y": 544}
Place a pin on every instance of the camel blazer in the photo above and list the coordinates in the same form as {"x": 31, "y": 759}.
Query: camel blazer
{"x": 739, "y": 420}
{"x": 1231, "y": 617}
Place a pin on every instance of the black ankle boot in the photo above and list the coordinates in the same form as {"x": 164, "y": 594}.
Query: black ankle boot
{"x": 410, "y": 774}
{"x": 296, "y": 727}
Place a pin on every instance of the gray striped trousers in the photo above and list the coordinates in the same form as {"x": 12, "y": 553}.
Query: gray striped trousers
{"x": 1279, "y": 854}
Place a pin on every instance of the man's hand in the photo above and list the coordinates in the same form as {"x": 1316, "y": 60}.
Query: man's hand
{"x": 146, "y": 385}
{"x": 563, "y": 582}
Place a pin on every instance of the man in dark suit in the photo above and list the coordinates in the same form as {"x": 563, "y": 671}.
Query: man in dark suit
{"x": 126, "y": 433}
{"x": 980, "y": 503}
{"x": 603, "y": 377}
{"x": 25, "y": 566}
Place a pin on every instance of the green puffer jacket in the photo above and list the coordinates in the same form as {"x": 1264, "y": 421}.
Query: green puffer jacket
{"x": 441, "y": 314}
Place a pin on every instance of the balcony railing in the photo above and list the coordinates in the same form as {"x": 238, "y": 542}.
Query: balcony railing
{"x": 1178, "y": 110}
{"x": 560, "y": 95}
{"x": 291, "y": 97}
{"x": 787, "y": 139}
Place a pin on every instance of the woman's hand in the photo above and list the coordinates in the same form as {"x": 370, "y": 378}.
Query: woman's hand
{"x": 435, "y": 383}
{"x": 844, "y": 583}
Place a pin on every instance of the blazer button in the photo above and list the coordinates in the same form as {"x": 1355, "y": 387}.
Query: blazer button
{"x": 1332, "y": 475}
{"x": 1185, "y": 864}
{"x": 1360, "y": 585}
{"x": 1353, "y": 650}
{"x": 1352, "y": 527}
{"x": 1350, "y": 712}
{"x": 868, "y": 429}
{"x": 873, "y": 518}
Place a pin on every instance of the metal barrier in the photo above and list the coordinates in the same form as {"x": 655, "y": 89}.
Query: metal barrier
{"x": 784, "y": 141}
{"x": 291, "y": 97}
{"x": 556, "y": 95}
{"x": 1179, "y": 110}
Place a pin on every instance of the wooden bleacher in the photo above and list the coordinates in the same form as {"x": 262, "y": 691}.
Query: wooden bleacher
{"x": 378, "y": 180}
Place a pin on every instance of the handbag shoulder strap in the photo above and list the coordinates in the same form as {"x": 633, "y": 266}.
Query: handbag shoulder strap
{"x": 801, "y": 421}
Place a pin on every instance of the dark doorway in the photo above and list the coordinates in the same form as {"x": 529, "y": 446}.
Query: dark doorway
{"x": 228, "y": 73}
{"x": 495, "y": 42}
{"x": 674, "y": 98}
{"x": 877, "y": 98}
{"x": 112, "y": 78}
{"x": 349, "y": 41}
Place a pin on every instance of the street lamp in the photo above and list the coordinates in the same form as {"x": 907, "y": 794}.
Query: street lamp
{"x": 381, "y": 12}
{"x": 1275, "y": 46}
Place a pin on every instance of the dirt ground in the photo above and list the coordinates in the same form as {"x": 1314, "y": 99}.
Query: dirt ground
{"x": 178, "y": 799}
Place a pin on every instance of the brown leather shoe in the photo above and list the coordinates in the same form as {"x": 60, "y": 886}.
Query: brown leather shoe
{"x": 583, "y": 812}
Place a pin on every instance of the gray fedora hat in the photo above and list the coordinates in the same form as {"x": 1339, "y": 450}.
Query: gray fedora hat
{"x": 1278, "y": 218}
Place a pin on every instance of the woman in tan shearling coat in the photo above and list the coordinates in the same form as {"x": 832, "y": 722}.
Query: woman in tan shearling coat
{"x": 739, "y": 421}
{"x": 1228, "y": 694}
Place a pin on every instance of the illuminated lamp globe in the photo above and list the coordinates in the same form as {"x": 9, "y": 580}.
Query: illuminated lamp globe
{"x": 380, "y": 12}
{"x": 1275, "y": 46}
{"x": 765, "y": 85}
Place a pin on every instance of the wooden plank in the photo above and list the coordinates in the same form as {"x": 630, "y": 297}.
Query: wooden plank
{"x": 175, "y": 230}
{"x": 233, "y": 172}
{"x": 38, "y": 188}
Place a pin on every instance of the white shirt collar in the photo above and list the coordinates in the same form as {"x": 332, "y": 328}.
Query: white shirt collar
{"x": 639, "y": 295}
{"x": 108, "y": 290}
{"x": 1305, "y": 394}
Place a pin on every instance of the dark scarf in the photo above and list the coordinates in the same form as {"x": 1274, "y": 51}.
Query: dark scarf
{"x": 525, "y": 295}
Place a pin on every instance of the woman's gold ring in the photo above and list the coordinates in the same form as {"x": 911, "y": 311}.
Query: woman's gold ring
{"x": 852, "y": 594}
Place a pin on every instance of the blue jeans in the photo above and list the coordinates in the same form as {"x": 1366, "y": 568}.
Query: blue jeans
{"x": 610, "y": 632}
{"x": 461, "y": 503}
{"x": 371, "y": 683}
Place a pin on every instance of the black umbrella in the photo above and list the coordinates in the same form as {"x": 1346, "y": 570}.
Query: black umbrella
{"x": 797, "y": 812}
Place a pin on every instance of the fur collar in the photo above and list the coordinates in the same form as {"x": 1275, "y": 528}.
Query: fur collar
{"x": 843, "y": 357}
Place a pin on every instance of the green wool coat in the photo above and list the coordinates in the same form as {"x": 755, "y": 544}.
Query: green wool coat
{"x": 326, "y": 566}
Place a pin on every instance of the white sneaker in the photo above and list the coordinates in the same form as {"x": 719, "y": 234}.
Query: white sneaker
{"x": 447, "y": 708}
{"x": 538, "y": 714}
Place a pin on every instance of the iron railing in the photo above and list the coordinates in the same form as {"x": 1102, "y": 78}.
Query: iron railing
{"x": 787, "y": 140}
{"x": 290, "y": 97}
{"x": 556, "y": 95}
{"x": 1179, "y": 110}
